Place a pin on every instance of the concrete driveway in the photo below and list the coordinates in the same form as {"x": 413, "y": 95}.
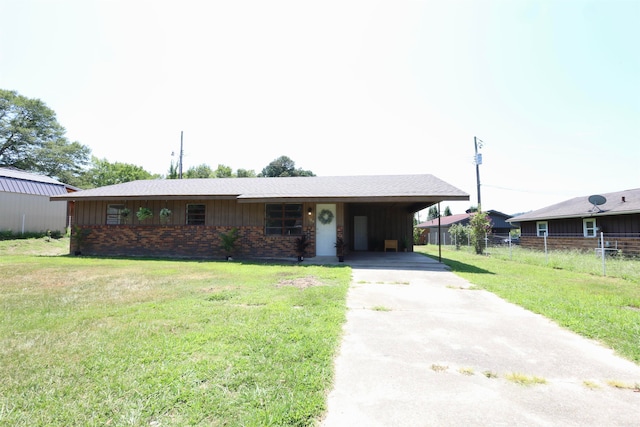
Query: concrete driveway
{"x": 421, "y": 347}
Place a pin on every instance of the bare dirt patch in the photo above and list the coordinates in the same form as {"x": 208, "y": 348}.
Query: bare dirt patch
{"x": 300, "y": 282}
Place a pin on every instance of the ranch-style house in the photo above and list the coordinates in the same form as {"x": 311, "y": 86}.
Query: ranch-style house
{"x": 579, "y": 223}
{"x": 188, "y": 217}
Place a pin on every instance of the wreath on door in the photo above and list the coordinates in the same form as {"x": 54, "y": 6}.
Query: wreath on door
{"x": 325, "y": 216}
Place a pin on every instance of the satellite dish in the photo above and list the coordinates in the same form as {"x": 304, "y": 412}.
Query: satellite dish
{"x": 597, "y": 200}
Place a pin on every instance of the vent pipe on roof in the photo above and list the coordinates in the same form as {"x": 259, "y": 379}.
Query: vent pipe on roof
{"x": 624, "y": 199}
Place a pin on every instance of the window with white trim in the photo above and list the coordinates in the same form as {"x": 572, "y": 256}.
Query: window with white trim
{"x": 589, "y": 227}
{"x": 542, "y": 228}
{"x": 195, "y": 214}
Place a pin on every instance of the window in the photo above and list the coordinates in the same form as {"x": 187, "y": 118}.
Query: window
{"x": 195, "y": 214}
{"x": 543, "y": 228}
{"x": 116, "y": 214}
{"x": 283, "y": 219}
{"x": 589, "y": 227}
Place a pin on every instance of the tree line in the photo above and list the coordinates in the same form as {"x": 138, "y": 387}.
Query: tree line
{"x": 31, "y": 139}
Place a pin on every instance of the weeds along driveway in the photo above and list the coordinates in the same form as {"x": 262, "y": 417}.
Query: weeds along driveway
{"x": 424, "y": 348}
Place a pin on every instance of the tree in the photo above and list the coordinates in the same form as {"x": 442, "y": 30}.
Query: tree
{"x": 480, "y": 226}
{"x": 173, "y": 171}
{"x": 200, "y": 171}
{"x": 32, "y": 139}
{"x": 244, "y": 173}
{"x": 283, "y": 166}
{"x": 223, "y": 172}
{"x": 102, "y": 173}
{"x": 447, "y": 211}
{"x": 433, "y": 213}
{"x": 459, "y": 234}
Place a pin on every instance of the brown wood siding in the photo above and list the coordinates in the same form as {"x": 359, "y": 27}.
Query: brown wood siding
{"x": 383, "y": 222}
{"x": 620, "y": 224}
{"x": 218, "y": 212}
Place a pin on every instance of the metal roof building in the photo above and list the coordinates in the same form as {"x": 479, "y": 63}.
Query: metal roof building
{"x": 25, "y": 204}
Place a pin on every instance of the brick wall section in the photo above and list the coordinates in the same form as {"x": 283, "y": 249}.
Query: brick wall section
{"x": 185, "y": 241}
{"x": 627, "y": 245}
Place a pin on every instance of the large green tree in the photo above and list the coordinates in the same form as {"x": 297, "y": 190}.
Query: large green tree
{"x": 283, "y": 166}
{"x": 32, "y": 139}
{"x": 102, "y": 173}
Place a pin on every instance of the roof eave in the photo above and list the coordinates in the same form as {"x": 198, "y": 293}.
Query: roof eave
{"x": 74, "y": 197}
{"x": 275, "y": 198}
{"x": 581, "y": 215}
{"x": 351, "y": 199}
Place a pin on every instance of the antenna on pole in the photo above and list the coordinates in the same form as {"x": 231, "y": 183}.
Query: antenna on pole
{"x": 180, "y": 161}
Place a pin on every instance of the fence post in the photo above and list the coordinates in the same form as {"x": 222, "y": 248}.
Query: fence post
{"x": 604, "y": 264}
{"x": 510, "y": 248}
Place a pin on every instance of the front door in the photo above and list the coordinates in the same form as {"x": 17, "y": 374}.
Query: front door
{"x": 325, "y": 229}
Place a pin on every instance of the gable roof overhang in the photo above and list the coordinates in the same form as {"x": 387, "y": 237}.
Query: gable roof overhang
{"x": 417, "y": 191}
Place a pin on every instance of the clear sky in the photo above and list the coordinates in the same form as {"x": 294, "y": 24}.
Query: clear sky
{"x": 347, "y": 87}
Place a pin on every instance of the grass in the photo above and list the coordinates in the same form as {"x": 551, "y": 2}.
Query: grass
{"x": 88, "y": 341}
{"x": 591, "y": 384}
{"x": 597, "y": 307}
{"x": 40, "y": 246}
{"x": 523, "y": 379}
{"x": 439, "y": 368}
{"x": 466, "y": 371}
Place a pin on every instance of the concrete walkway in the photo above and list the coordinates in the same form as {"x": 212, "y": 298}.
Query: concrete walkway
{"x": 423, "y": 348}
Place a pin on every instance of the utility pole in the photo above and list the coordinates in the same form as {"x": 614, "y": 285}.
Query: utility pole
{"x": 478, "y": 161}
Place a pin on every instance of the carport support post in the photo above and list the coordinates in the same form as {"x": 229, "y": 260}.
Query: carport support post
{"x": 439, "y": 240}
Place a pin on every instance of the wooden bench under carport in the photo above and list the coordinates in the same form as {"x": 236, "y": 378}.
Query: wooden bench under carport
{"x": 391, "y": 244}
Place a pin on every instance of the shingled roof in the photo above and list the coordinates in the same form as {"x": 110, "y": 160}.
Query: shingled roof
{"x": 618, "y": 203}
{"x": 400, "y": 188}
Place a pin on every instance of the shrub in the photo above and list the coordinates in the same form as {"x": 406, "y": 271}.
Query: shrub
{"x": 480, "y": 226}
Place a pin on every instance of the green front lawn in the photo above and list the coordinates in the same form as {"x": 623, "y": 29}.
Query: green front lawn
{"x": 87, "y": 341}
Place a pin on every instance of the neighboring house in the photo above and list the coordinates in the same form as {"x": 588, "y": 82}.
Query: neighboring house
{"x": 25, "y": 204}
{"x": 500, "y": 228}
{"x": 269, "y": 213}
{"x": 578, "y": 223}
